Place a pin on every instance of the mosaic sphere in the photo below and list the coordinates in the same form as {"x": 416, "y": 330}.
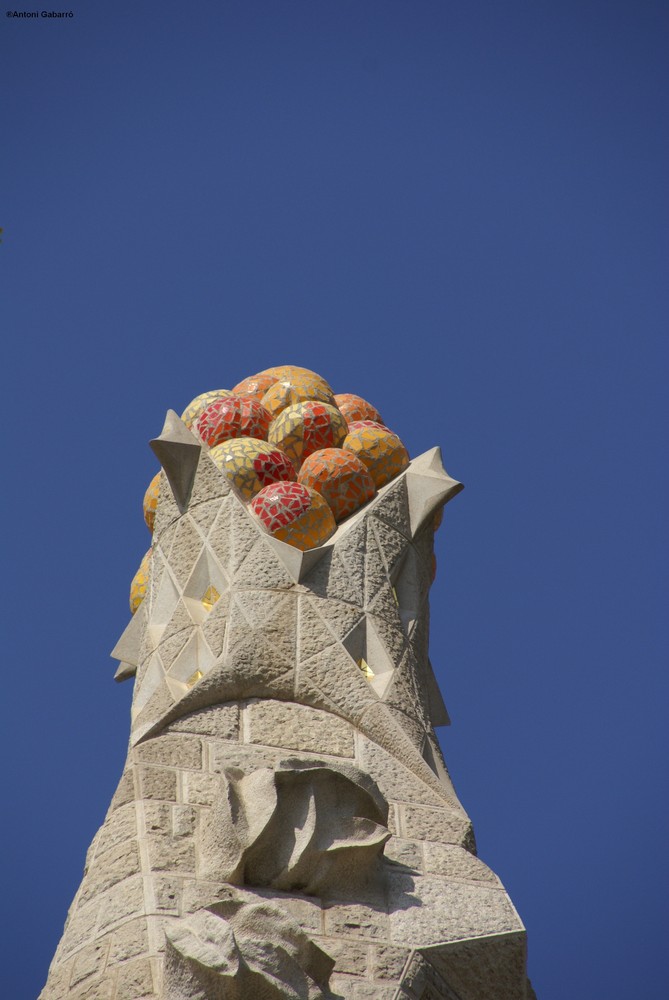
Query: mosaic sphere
{"x": 249, "y": 464}
{"x": 340, "y": 478}
{"x": 200, "y": 403}
{"x": 382, "y": 451}
{"x": 151, "y": 501}
{"x": 294, "y": 371}
{"x": 295, "y": 514}
{"x": 354, "y": 407}
{"x": 232, "y": 417}
{"x": 307, "y": 427}
{"x": 296, "y": 389}
{"x": 140, "y": 582}
{"x": 255, "y": 386}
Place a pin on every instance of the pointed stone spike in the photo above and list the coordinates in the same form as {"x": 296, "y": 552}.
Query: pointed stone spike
{"x": 178, "y": 451}
{"x": 125, "y": 672}
{"x": 428, "y": 486}
{"x": 127, "y": 647}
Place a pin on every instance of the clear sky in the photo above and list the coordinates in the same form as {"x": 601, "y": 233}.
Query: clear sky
{"x": 456, "y": 209}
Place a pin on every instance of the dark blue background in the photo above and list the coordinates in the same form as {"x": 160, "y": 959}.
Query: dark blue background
{"x": 455, "y": 209}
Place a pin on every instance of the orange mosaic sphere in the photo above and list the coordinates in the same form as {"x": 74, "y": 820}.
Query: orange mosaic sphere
{"x": 382, "y": 451}
{"x": 354, "y": 407}
{"x": 151, "y": 501}
{"x": 250, "y": 464}
{"x": 232, "y": 417}
{"x": 295, "y": 514}
{"x": 255, "y": 386}
{"x": 340, "y": 478}
{"x": 140, "y": 583}
{"x": 200, "y": 403}
{"x": 296, "y": 389}
{"x": 307, "y": 427}
{"x": 294, "y": 371}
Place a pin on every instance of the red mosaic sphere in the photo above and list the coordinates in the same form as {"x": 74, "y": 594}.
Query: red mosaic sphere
{"x": 232, "y": 417}
{"x": 354, "y": 407}
{"x": 340, "y": 478}
{"x": 295, "y": 514}
{"x": 200, "y": 403}
{"x": 250, "y": 464}
{"x": 307, "y": 427}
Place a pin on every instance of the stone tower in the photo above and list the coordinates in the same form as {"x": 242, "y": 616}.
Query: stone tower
{"x": 285, "y": 826}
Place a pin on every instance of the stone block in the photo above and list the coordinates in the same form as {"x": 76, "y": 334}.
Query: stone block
{"x": 388, "y": 962}
{"x": 456, "y": 863}
{"x": 119, "y": 827}
{"x": 171, "y": 854}
{"x": 79, "y": 928}
{"x": 128, "y": 941}
{"x": 121, "y": 902}
{"x": 201, "y": 789}
{"x": 158, "y": 818}
{"x": 90, "y": 961}
{"x": 167, "y": 893}
{"x": 245, "y": 758}
{"x": 109, "y": 868}
{"x": 181, "y": 751}
{"x": 125, "y": 791}
{"x": 441, "y": 825}
{"x": 431, "y": 909}
{"x": 296, "y": 727}
{"x": 355, "y": 920}
{"x": 135, "y": 980}
{"x": 405, "y": 852}
{"x": 373, "y": 991}
{"x": 97, "y": 989}
{"x": 350, "y": 957}
{"x": 184, "y": 820}
{"x": 220, "y": 721}
{"x": 157, "y": 783}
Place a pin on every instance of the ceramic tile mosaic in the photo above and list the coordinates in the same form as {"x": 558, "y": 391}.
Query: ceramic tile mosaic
{"x": 250, "y": 464}
{"x": 255, "y": 385}
{"x": 289, "y": 391}
{"x": 354, "y": 407}
{"x": 151, "y": 501}
{"x": 307, "y": 427}
{"x": 294, "y": 371}
{"x": 232, "y": 417}
{"x": 295, "y": 514}
{"x": 341, "y": 479}
{"x": 197, "y": 405}
{"x": 382, "y": 451}
{"x": 140, "y": 582}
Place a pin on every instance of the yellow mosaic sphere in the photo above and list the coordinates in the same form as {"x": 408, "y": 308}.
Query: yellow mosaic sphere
{"x": 200, "y": 403}
{"x": 294, "y": 371}
{"x": 140, "y": 582}
{"x": 295, "y": 514}
{"x": 307, "y": 427}
{"x": 151, "y": 501}
{"x": 249, "y": 464}
{"x": 255, "y": 386}
{"x": 382, "y": 451}
{"x": 298, "y": 389}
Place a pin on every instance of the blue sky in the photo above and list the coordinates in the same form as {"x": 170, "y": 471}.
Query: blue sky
{"x": 457, "y": 210}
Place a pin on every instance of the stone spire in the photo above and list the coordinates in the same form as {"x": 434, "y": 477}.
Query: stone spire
{"x": 285, "y": 826}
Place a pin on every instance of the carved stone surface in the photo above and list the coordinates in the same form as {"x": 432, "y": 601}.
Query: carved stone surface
{"x": 285, "y": 825}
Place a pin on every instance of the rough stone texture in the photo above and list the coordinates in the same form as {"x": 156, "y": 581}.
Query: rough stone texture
{"x": 296, "y": 727}
{"x": 278, "y": 738}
